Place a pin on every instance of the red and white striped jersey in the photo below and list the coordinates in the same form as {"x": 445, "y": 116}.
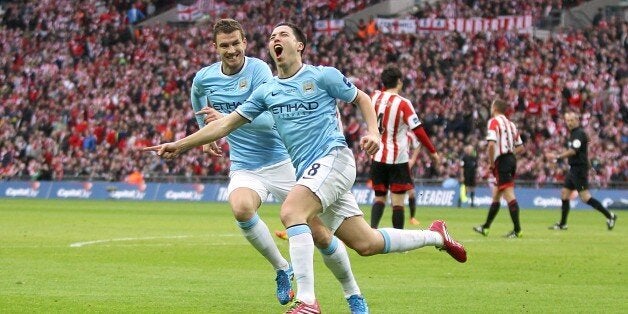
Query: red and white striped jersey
{"x": 504, "y": 133}
{"x": 396, "y": 116}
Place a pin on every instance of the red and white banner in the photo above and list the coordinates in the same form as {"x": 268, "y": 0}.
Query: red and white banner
{"x": 397, "y": 26}
{"x": 189, "y": 13}
{"x": 328, "y": 27}
{"x": 471, "y": 25}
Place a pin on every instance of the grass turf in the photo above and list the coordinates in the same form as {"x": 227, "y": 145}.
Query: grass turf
{"x": 149, "y": 257}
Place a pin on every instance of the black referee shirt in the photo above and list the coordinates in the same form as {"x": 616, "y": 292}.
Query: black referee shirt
{"x": 578, "y": 141}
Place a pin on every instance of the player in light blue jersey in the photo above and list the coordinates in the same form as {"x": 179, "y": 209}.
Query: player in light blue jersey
{"x": 259, "y": 161}
{"x": 302, "y": 101}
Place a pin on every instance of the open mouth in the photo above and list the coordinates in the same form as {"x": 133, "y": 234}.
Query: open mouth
{"x": 278, "y": 50}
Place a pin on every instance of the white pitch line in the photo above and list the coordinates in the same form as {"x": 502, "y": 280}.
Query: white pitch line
{"x": 85, "y": 243}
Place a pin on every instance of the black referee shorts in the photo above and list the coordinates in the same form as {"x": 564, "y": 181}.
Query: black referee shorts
{"x": 577, "y": 179}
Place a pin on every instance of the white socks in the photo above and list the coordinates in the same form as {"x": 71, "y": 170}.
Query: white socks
{"x": 257, "y": 233}
{"x": 302, "y": 257}
{"x": 337, "y": 260}
{"x": 399, "y": 240}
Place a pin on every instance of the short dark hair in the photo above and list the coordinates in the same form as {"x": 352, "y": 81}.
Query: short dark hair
{"x": 297, "y": 31}
{"x": 227, "y": 26}
{"x": 500, "y": 105}
{"x": 390, "y": 76}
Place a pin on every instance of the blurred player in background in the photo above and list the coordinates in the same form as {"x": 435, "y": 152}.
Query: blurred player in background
{"x": 504, "y": 142}
{"x": 260, "y": 164}
{"x": 302, "y": 101}
{"x": 469, "y": 163}
{"x": 578, "y": 177}
{"x": 390, "y": 168}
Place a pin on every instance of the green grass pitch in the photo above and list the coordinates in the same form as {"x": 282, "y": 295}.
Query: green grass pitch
{"x": 161, "y": 257}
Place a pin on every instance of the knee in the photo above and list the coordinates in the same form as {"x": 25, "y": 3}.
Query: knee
{"x": 364, "y": 248}
{"x": 321, "y": 241}
{"x": 243, "y": 213}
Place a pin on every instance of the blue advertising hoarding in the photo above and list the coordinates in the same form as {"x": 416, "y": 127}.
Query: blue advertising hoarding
{"x": 217, "y": 192}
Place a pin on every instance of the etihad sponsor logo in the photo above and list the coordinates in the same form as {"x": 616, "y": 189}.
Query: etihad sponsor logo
{"x": 226, "y": 106}
{"x": 21, "y": 192}
{"x": 127, "y": 194}
{"x": 183, "y": 195}
{"x": 293, "y": 108}
{"x": 73, "y": 193}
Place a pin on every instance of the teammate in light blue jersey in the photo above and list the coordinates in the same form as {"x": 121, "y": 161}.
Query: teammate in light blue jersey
{"x": 306, "y": 119}
{"x": 259, "y": 161}
{"x": 215, "y": 88}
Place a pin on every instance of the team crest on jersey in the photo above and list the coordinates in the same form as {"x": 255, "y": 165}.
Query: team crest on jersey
{"x": 308, "y": 87}
{"x": 243, "y": 84}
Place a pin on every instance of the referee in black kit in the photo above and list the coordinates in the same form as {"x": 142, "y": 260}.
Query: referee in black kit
{"x": 577, "y": 178}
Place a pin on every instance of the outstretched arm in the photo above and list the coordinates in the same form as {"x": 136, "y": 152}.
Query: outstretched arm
{"x": 370, "y": 142}
{"x": 209, "y": 133}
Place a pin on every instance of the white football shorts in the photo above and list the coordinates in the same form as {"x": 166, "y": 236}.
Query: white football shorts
{"x": 331, "y": 178}
{"x": 275, "y": 179}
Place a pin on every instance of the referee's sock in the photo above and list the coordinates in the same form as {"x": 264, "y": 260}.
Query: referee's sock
{"x": 564, "y": 212}
{"x": 597, "y": 205}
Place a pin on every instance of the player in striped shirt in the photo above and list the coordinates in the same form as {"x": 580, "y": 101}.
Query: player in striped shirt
{"x": 390, "y": 169}
{"x": 504, "y": 142}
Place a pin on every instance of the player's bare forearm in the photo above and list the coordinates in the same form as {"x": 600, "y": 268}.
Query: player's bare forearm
{"x": 363, "y": 101}
{"x": 370, "y": 142}
{"x": 491, "y": 154}
{"x": 211, "y": 132}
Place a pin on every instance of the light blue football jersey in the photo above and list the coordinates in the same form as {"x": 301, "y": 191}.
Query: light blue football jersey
{"x": 253, "y": 145}
{"x": 305, "y": 111}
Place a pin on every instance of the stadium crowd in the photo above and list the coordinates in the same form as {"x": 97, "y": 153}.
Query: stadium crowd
{"x": 81, "y": 87}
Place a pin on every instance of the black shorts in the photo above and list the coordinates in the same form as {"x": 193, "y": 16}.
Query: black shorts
{"x": 577, "y": 179}
{"x": 469, "y": 178}
{"x": 395, "y": 177}
{"x": 505, "y": 169}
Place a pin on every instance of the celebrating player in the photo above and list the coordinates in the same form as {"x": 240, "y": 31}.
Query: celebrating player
{"x": 260, "y": 164}
{"x": 302, "y": 101}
